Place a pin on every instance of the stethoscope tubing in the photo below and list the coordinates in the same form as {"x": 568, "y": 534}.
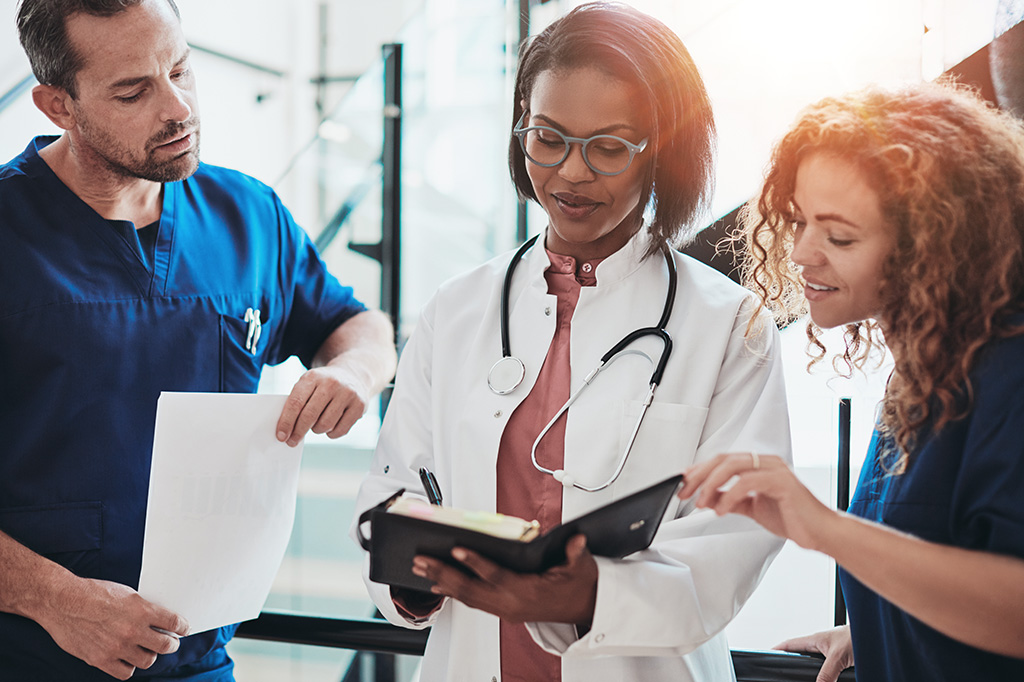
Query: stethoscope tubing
{"x": 506, "y": 293}
{"x": 619, "y": 349}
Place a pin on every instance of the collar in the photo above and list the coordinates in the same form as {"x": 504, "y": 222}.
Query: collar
{"x": 615, "y": 268}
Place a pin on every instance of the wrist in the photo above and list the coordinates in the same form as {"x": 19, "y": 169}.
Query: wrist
{"x": 48, "y": 592}
{"x": 355, "y": 371}
{"x": 832, "y": 533}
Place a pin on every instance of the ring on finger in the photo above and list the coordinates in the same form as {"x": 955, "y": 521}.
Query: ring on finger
{"x": 757, "y": 460}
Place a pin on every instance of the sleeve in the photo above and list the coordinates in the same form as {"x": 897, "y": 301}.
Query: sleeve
{"x": 987, "y": 513}
{"x": 405, "y": 444}
{"x": 316, "y": 303}
{"x": 681, "y": 592}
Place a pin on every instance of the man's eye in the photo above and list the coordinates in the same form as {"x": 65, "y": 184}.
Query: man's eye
{"x": 130, "y": 98}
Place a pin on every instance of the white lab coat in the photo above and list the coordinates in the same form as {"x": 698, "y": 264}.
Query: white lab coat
{"x": 659, "y": 613}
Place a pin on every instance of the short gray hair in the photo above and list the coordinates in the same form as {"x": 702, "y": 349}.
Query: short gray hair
{"x": 42, "y": 29}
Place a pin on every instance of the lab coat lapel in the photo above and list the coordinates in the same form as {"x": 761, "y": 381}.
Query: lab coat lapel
{"x": 532, "y": 326}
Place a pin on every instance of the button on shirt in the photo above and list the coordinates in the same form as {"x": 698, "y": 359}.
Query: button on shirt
{"x": 522, "y": 490}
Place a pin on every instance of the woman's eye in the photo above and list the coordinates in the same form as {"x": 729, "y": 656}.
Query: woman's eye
{"x": 839, "y": 242}
{"x": 609, "y": 149}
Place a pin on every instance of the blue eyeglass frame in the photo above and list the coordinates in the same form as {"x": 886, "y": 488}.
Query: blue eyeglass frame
{"x": 521, "y": 132}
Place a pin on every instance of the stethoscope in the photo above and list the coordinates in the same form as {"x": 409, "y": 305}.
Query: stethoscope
{"x": 507, "y": 373}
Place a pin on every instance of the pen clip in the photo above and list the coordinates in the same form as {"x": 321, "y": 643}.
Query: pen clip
{"x": 430, "y": 486}
{"x": 255, "y": 326}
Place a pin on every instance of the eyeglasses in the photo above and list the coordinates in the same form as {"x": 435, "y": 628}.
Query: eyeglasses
{"x": 603, "y": 154}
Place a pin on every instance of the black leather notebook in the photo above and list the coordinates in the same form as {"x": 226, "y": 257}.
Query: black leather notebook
{"x": 614, "y": 530}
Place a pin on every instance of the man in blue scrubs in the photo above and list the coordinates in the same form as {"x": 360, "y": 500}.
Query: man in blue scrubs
{"x": 128, "y": 268}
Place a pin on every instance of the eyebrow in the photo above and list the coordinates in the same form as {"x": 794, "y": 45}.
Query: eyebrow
{"x": 831, "y": 217}
{"x": 603, "y": 131}
{"x": 135, "y": 80}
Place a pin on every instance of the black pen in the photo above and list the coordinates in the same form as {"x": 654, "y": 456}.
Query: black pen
{"x": 430, "y": 485}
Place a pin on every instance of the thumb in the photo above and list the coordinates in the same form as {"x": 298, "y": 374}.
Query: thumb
{"x": 171, "y": 623}
{"x": 575, "y": 549}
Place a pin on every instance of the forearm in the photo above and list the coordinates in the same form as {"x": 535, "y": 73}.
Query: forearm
{"x": 364, "y": 345}
{"x": 974, "y": 597}
{"x": 28, "y": 581}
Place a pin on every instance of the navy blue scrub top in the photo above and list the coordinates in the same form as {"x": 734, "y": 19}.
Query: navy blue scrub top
{"x": 963, "y": 487}
{"x": 90, "y": 334}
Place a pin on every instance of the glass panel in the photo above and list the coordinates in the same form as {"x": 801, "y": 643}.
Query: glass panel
{"x": 458, "y": 209}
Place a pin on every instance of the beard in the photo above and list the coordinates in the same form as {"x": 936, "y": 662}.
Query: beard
{"x": 120, "y": 160}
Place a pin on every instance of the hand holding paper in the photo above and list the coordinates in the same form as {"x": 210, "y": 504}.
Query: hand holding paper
{"x": 221, "y": 506}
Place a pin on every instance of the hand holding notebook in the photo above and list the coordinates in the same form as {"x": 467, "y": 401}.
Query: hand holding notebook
{"x": 401, "y": 528}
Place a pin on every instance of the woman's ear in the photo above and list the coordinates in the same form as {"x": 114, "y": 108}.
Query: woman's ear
{"x": 54, "y": 102}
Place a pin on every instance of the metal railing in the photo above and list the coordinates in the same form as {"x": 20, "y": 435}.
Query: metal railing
{"x": 21, "y": 87}
{"x": 381, "y": 637}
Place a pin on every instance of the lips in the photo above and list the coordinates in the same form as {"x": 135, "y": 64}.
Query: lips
{"x": 575, "y": 206}
{"x": 816, "y": 291}
{"x": 178, "y": 144}
{"x": 176, "y": 136}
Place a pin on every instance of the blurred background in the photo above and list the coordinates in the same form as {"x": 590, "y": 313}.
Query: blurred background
{"x": 302, "y": 95}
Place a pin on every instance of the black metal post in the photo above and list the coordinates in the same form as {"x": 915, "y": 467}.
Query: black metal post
{"x": 522, "y": 226}
{"x": 391, "y": 223}
{"x": 843, "y": 492}
{"x": 388, "y": 251}
{"x": 391, "y": 263}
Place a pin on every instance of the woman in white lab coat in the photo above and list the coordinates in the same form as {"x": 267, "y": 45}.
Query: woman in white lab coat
{"x": 624, "y": 91}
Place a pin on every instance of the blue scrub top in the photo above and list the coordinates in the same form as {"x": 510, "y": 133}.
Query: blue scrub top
{"x": 963, "y": 487}
{"x": 90, "y": 334}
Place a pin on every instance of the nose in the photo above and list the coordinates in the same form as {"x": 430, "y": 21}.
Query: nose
{"x": 806, "y": 250}
{"x": 178, "y": 104}
{"x": 574, "y": 168}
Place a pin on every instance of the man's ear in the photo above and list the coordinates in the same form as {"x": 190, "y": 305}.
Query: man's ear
{"x": 55, "y": 104}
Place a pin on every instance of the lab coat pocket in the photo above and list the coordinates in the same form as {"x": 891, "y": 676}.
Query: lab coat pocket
{"x": 241, "y": 353}
{"x": 68, "y": 534}
{"x": 665, "y": 444}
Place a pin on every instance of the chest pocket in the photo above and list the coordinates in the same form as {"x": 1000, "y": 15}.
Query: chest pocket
{"x": 928, "y": 521}
{"x": 243, "y": 341}
{"x": 664, "y": 446}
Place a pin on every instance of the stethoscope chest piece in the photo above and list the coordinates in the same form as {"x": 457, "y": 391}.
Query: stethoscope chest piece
{"x": 506, "y": 375}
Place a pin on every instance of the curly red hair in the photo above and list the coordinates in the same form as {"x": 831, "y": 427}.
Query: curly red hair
{"x": 948, "y": 169}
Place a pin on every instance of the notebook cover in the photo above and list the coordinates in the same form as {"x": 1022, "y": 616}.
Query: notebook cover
{"x": 615, "y": 530}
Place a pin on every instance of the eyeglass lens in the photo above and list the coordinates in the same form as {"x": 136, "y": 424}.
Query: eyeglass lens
{"x": 603, "y": 153}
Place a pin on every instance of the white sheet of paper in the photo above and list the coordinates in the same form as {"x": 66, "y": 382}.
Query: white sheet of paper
{"x": 221, "y": 505}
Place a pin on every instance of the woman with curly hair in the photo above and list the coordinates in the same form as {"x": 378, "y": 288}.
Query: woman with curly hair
{"x": 900, "y": 215}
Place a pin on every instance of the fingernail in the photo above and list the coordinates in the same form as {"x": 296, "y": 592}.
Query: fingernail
{"x": 459, "y": 554}
{"x": 281, "y": 435}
